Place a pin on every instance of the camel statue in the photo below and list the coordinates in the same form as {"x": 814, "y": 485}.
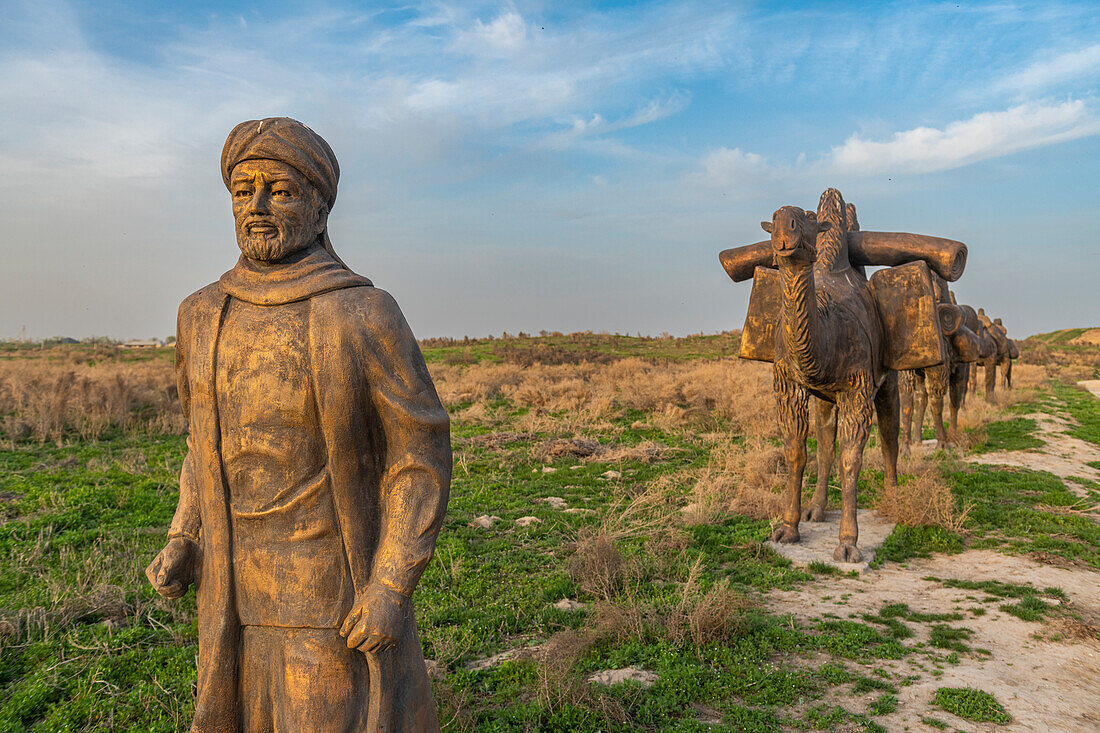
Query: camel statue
{"x": 828, "y": 342}
{"x": 1012, "y": 351}
{"x": 835, "y": 335}
{"x": 1006, "y": 351}
{"x": 928, "y": 387}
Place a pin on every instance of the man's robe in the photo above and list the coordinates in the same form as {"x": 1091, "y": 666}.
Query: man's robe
{"x": 388, "y": 460}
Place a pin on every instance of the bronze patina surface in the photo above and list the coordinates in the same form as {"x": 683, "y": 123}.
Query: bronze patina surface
{"x": 835, "y": 335}
{"x": 927, "y": 387}
{"x": 317, "y": 472}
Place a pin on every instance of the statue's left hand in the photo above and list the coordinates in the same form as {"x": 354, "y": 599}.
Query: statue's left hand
{"x": 376, "y": 620}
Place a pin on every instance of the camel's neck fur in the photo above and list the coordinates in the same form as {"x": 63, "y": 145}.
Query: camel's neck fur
{"x": 800, "y": 320}
{"x": 832, "y": 244}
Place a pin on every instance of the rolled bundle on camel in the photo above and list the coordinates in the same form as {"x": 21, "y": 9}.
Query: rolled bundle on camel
{"x": 840, "y": 337}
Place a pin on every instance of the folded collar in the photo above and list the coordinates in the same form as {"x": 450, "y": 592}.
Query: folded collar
{"x": 302, "y": 275}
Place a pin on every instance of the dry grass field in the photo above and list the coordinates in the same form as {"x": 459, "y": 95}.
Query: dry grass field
{"x": 611, "y": 503}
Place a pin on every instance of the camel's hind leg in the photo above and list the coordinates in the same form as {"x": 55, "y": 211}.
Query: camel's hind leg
{"x": 854, "y": 408}
{"x": 793, "y": 402}
{"x": 920, "y": 394}
{"x": 886, "y": 407}
{"x": 826, "y": 455}
{"x": 1008, "y": 374}
{"x": 960, "y": 377}
{"x": 990, "y": 380}
{"x": 907, "y": 385}
{"x": 938, "y": 379}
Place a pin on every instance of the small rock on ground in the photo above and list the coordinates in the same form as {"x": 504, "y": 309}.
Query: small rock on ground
{"x": 566, "y": 604}
{"x": 549, "y": 469}
{"x": 497, "y": 659}
{"x": 579, "y": 510}
{"x": 628, "y": 674}
{"x": 555, "y": 502}
{"x": 611, "y": 475}
{"x": 484, "y": 522}
{"x": 436, "y": 671}
{"x": 528, "y": 521}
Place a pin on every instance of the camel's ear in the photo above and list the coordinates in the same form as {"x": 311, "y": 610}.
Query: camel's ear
{"x": 823, "y": 226}
{"x": 766, "y": 226}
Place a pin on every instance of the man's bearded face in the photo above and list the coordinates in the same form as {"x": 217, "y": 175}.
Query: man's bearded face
{"x": 276, "y": 209}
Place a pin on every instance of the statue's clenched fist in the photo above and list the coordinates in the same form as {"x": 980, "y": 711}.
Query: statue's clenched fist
{"x": 175, "y": 568}
{"x": 376, "y": 620}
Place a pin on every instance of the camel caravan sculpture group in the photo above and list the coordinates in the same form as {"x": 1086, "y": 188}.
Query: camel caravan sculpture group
{"x": 858, "y": 345}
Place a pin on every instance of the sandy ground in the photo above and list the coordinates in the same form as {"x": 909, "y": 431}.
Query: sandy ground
{"x": 1092, "y": 385}
{"x": 1045, "y": 685}
{"x": 819, "y": 539}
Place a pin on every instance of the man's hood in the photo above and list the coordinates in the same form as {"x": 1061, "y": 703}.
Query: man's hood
{"x": 302, "y": 275}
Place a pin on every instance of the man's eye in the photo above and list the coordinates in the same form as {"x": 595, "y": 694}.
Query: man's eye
{"x": 243, "y": 194}
{"x": 280, "y": 192}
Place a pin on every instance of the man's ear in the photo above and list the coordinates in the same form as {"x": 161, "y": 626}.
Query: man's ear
{"x": 322, "y": 219}
{"x": 766, "y": 226}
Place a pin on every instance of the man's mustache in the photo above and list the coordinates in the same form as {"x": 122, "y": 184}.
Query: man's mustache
{"x": 260, "y": 221}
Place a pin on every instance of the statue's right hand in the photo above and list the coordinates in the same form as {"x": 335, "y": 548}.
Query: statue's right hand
{"x": 173, "y": 569}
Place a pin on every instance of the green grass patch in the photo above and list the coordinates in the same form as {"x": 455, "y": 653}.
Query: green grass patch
{"x": 905, "y": 543}
{"x": 883, "y": 705}
{"x": 971, "y": 704}
{"x": 1006, "y": 435}
{"x": 1005, "y": 513}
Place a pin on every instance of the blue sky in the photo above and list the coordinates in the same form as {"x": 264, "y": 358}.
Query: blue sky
{"x": 562, "y": 166}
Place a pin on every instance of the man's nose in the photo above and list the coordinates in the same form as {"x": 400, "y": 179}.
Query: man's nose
{"x": 259, "y": 203}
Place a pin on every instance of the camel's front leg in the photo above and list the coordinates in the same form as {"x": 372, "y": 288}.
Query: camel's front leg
{"x": 825, "y": 431}
{"x": 792, "y": 399}
{"x": 854, "y": 422}
{"x": 1008, "y": 374}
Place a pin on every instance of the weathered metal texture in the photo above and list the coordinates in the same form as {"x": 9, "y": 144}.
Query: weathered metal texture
{"x": 910, "y": 317}
{"x": 318, "y": 467}
{"x": 967, "y": 345}
{"x": 946, "y": 257}
{"x": 906, "y": 304}
{"x": 758, "y": 335}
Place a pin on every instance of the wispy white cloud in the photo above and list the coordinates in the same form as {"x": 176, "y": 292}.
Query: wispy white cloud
{"x": 916, "y": 151}
{"x": 1052, "y": 70}
{"x": 983, "y": 136}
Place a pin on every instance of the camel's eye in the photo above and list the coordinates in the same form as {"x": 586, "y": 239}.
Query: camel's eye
{"x": 793, "y": 225}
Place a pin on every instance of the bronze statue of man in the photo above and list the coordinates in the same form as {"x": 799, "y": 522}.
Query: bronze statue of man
{"x": 317, "y": 472}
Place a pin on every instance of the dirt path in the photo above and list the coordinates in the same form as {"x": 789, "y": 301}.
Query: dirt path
{"x": 1061, "y": 454}
{"x": 1045, "y": 673}
{"x": 1045, "y": 685}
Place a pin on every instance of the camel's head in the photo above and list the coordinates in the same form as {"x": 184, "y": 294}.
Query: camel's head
{"x": 794, "y": 232}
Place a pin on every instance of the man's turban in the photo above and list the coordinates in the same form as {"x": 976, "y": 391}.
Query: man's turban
{"x": 288, "y": 141}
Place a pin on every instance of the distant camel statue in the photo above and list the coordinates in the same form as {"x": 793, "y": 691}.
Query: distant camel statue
{"x": 1006, "y": 351}
{"x": 928, "y": 387}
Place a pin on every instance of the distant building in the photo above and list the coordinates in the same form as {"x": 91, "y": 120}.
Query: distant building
{"x": 141, "y": 344}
